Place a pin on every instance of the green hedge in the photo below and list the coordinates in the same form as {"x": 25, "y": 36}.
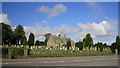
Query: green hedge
{"x": 17, "y": 52}
{"x": 4, "y": 51}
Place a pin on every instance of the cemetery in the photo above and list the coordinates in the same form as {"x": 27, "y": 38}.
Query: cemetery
{"x": 17, "y": 45}
{"x": 42, "y": 51}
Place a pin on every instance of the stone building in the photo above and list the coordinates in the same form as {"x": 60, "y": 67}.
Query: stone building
{"x": 54, "y": 41}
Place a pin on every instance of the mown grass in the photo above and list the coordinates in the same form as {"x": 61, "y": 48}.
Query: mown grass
{"x": 64, "y": 53}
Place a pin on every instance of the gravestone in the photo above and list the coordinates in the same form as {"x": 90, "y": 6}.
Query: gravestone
{"x": 78, "y": 49}
{"x": 31, "y": 47}
{"x": 47, "y": 48}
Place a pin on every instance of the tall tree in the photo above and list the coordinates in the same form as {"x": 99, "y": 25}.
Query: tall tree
{"x": 19, "y": 33}
{"x": 113, "y": 47}
{"x": 105, "y": 45}
{"x": 6, "y": 33}
{"x": 117, "y": 41}
{"x": 24, "y": 40}
{"x": 88, "y": 41}
{"x": 100, "y": 45}
{"x": 79, "y": 44}
{"x": 118, "y": 44}
{"x": 37, "y": 43}
{"x": 31, "y": 39}
{"x": 68, "y": 44}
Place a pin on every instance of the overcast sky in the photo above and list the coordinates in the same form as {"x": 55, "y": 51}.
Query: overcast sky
{"x": 75, "y": 19}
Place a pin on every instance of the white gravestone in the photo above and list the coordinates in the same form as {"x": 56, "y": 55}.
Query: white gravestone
{"x": 31, "y": 47}
{"x": 78, "y": 49}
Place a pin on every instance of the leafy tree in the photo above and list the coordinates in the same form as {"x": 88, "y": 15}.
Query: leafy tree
{"x": 68, "y": 44}
{"x": 117, "y": 40}
{"x": 84, "y": 41}
{"x": 100, "y": 45}
{"x": 88, "y": 41}
{"x": 6, "y": 33}
{"x": 113, "y": 47}
{"x": 24, "y": 40}
{"x": 31, "y": 39}
{"x": 96, "y": 45}
{"x": 118, "y": 44}
{"x": 19, "y": 33}
{"x": 104, "y": 45}
{"x": 79, "y": 44}
{"x": 37, "y": 42}
{"x": 14, "y": 38}
{"x": 42, "y": 43}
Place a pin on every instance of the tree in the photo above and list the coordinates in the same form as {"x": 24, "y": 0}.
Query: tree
{"x": 6, "y": 34}
{"x": 104, "y": 45}
{"x": 117, "y": 40}
{"x": 79, "y": 44}
{"x": 113, "y": 47}
{"x": 84, "y": 41}
{"x": 68, "y": 44}
{"x": 118, "y": 44}
{"x": 96, "y": 45}
{"x": 100, "y": 45}
{"x": 19, "y": 33}
{"x": 37, "y": 42}
{"x": 31, "y": 39}
{"x": 88, "y": 41}
{"x": 24, "y": 40}
{"x": 14, "y": 38}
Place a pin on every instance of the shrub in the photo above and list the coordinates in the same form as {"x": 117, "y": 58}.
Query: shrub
{"x": 4, "y": 51}
{"x": 16, "y": 52}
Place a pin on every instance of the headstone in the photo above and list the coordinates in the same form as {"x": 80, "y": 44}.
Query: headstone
{"x": 60, "y": 48}
{"x": 70, "y": 48}
{"x": 50, "y": 49}
{"x": 63, "y": 47}
{"x": 39, "y": 47}
{"x": 73, "y": 49}
{"x": 83, "y": 48}
{"x": 36, "y": 47}
{"x": 66, "y": 48}
{"x": 47, "y": 48}
{"x": 31, "y": 47}
{"x": 78, "y": 49}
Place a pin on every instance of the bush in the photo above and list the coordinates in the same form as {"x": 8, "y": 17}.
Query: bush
{"x": 4, "y": 51}
{"x": 16, "y": 52}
